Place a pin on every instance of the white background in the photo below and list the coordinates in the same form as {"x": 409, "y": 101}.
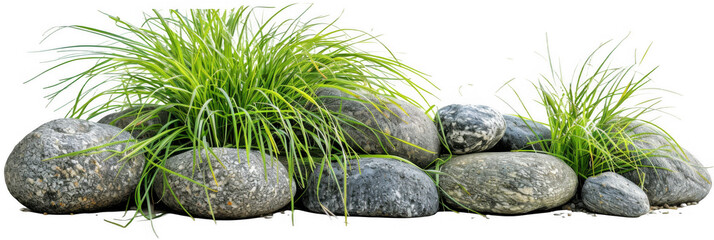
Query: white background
{"x": 470, "y": 46}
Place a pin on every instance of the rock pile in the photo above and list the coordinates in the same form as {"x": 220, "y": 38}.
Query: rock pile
{"x": 486, "y": 173}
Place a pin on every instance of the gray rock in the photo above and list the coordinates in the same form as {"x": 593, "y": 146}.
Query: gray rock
{"x": 519, "y": 133}
{"x": 687, "y": 181}
{"x": 411, "y": 125}
{"x": 243, "y": 189}
{"x": 610, "y": 193}
{"x": 507, "y": 182}
{"x": 377, "y": 187}
{"x": 124, "y": 118}
{"x": 83, "y": 183}
{"x": 471, "y": 128}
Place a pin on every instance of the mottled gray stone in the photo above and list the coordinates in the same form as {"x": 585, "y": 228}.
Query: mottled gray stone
{"x": 687, "y": 181}
{"x": 519, "y": 133}
{"x": 83, "y": 183}
{"x": 377, "y": 187}
{"x": 471, "y": 128}
{"x": 124, "y": 118}
{"x": 508, "y": 182}
{"x": 243, "y": 189}
{"x": 610, "y": 193}
{"x": 410, "y": 124}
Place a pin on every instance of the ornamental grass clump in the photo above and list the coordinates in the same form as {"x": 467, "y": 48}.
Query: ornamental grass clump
{"x": 589, "y": 116}
{"x": 230, "y": 79}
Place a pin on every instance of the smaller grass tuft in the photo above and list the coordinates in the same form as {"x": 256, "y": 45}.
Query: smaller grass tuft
{"x": 589, "y": 115}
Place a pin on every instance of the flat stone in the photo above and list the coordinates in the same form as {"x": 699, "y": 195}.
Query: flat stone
{"x": 378, "y": 187}
{"x": 677, "y": 180}
{"x": 507, "y": 182}
{"x": 519, "y": 133}
{"x": 82, "y": 183}
{"x": 124, "y": 118}
{"x": 243, "y": 189}
{"x": 610, "y": 193}
{"x": 471, "y": 128}
{"x": 405, "y": 122}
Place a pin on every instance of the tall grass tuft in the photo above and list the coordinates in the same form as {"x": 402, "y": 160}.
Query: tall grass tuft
{"x": 230, "y": 79}
{"x": 590, "y": 114}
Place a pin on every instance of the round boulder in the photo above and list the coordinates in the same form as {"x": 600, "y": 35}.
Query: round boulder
{"x": 386, "y": 129}
{"x": 673, "y": 179}
{"x": 243, "y": 189}
{"x": 375, "y": 187}
{"x": 519, "y": 132}
{"x": 471, "y": 128}
{"x": 75, "y": 184}
{"x": 610, "y": 193}
{"x": 507, "y": 182}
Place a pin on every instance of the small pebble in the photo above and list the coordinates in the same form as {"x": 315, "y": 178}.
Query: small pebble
{"x": 665, "y": 212}
{"x": 683, "y": 205}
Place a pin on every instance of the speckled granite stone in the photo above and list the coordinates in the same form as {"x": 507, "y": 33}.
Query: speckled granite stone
{"x": 687, "y": 181}
{"x": 411, "y": 125}
{"x": 508, "y": 182}
{"x": 124, "y": 118}
{"x": 471, "y": 128}
{"x": 519, "y": 133}
{"x": 378, "y": 187}
{"x": 244, "y": 190}
{"x": 84, "y": 183}
{"x": 610, "y": 193}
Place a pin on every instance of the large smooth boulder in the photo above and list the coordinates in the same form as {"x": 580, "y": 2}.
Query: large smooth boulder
{"x": 519, "y": 133}
{"x": 470, "y": 128}
{"x": 610, "y": 193}
{"x": 405, "y": 122}
{"x": 675, "y": 179}
{"x": 375, "y": 187}
{"x": 507, "y": 182}
{"x": 243, "y": 189}
{"x": 81, "y": 183}
{"x": 140, "y": 131}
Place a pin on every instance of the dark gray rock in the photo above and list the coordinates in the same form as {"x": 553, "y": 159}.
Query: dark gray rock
{"x": 507, "y": 182}
{"x": 377, "y": 187}
{"x": 471, "y": 128}
{"x": 610, "y": 193}
{"x": 243, "y": 189}
{"x": 519, "y": 133}
{"x": 687, "y": 181}
{"x": 83, "y": 183}
{"x": 411, "y": 125}
{"x": 124, "y": 118}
